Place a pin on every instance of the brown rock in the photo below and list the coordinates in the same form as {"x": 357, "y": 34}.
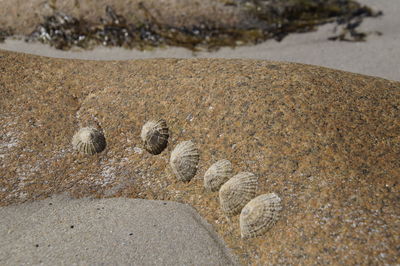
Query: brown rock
{"x": 326, "y": 141}
{"x": 13, "y": 13}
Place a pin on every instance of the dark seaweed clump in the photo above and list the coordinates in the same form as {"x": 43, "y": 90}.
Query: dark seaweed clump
{"x": 272, "y": 19}
{"x": 64, "y": 31}
{"x": 280, "y": 18}
{"x": 4, "y": 33}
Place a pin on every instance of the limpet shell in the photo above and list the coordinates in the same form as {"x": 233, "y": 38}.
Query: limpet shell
{"x": 155, "y": 136}
{"x": 89, "y": 140}
{"x": 184, "y": 160}
{"x": 217, "y": 174}
{"x": 237, "y": 191}
{"x": 259, "y": 215}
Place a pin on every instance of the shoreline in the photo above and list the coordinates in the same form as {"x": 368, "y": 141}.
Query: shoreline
{"x": 378, "y": 56}
{"x": 209, "y": 25}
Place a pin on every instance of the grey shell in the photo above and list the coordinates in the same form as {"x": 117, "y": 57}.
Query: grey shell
{"x": 89, "y": 140}
{"x": 237, "y": 191}
{"x": 155, "y": 136}
{"x": 259, "y": 215}
{"x": 217, "y": 174}
{"x": 184, "y": 160}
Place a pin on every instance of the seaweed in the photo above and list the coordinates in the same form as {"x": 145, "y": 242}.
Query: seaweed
{"x": 284, "y": 17}
{"x": 350, "y": 23}
{"x": 272, "y": 19}
{"x": 64, "y": 31}
{"x": 4, "y": 33}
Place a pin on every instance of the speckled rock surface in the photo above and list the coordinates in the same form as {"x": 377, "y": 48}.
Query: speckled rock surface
{"x": 326, "y": 142}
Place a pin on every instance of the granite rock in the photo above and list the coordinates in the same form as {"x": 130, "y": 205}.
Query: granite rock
{"x": 325, "y": 141}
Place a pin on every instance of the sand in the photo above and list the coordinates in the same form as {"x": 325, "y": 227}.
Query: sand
{"x": 64, "y": 231}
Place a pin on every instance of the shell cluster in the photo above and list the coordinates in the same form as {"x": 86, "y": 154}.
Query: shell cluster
{"x": 155, "y": 136}
{"x": 217, "y": 174}
{"x": 237, "y": 191}
{"x": 259, "y": 215}
{"x": 89, "y": 140}
{"x": 184, "y": 160}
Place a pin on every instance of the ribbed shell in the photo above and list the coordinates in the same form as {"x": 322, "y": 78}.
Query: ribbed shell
{"x": 237, "y": 191}
{"x": 259, "y": 215}
{"x": 155, "y": 136}
{"x": 184, "y": 160}
{"x": 89, "y": 140}
{"x": 217, "y": 174}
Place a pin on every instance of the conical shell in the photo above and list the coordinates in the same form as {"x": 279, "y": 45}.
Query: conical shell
{"x": 237, "y": 191}
{"x": 184, "y": 160}
{"x": 89, "y": 140}
{"x": 259, "y": 215}
{"x": 155, "y": 136}
{"x": 217, "y": 174}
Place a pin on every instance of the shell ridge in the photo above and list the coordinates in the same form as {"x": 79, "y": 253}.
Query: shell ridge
{"x": 259, "y": 215}
{"x": 155, "y": 136}
{"x": 184, "y": 160}
{"x": 89, "y": 140}
{"x": 237, "y": 191}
